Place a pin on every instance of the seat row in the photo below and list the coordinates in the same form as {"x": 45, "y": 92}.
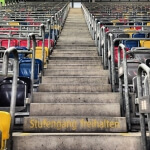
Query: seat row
{"x": 122, "y": 37}
{"x": 24, "y": 51}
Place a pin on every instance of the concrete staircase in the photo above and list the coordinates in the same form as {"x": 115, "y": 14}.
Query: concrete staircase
{"x": 74, "y": 108}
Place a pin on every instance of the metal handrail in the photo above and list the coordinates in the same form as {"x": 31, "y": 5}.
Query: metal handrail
{"x": 141, "y": 68}
{"x": 125, "y": 69}
{"x": 14, "y": 82}
{"x": 113, "y": 59}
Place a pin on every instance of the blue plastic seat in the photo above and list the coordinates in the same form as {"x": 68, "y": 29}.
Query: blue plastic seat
{"x": 25, "y": 68}
{"x": 138, "y": 35}
{"x": 21, "y": 56}
{"x": 131, "y": 43}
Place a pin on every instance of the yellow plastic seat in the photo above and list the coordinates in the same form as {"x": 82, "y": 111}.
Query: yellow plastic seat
{"x": 115, "y": 21}
{"x": 1, "y": 138}
{"x": 126, "y": 15}
{"x": 14, "y": 23}
{"x": 38, "y": 54}
{"x": 56, "y": 27}
{"x": 145, "y": 43}
{"x": 148, "y": 23}
{"x": 5, "y": 120}
{"x": 131, "y": 31}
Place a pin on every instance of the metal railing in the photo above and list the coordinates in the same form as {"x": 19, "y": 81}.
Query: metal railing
{"x": 144, "y": 102}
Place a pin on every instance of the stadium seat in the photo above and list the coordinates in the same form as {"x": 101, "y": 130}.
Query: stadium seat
{"x": 145, "y": 43}
{"x": 38, "y": 54}
{"x": 14, "y": 23}
{"x": 19, "y": 55}
{"x": 6, "y": 91}
{"x": 138, "y": 35}
{"x": 4, "y": 43}
{"x": 131, "y": 43}
{"x": 24, "y": 43}
{"x": 25, "y": 68}
{"x": 5, "y": 120}
{"x": 39, "y": 43}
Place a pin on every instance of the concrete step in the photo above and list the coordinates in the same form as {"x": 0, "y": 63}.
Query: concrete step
{"x": 75, "y": 109}
{"x": 73, "y": 55}
{"x": 74, "y": 51}
{"x": 75, "y": 124}
{"x": 74, "y": 21}
{"x": 77, "y": 141}
{"x": 75, "y": 47}
{"x": 76, "y": 62}
{"x": 75, "y": 43}
{"x": 75, "y": 26}
{"x": 74, "y": 88}
{"x": 72, "y": 30}
{"x": 47, "y": 97}
{"x": 75, "y": 72}
{"x": 72, "y": 66}
{"x": 75, "y": 40}
{"x": 84, "y": 34}
{"x": 75, "y": 79}
{"x": 91, "y": 44}
{"x": 75, "y": 58}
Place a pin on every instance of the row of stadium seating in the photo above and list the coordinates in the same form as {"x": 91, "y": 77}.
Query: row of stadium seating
{"x": 121, "y": 33}
{"x": 29, "y": 33}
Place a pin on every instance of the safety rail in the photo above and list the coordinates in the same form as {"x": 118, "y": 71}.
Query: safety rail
{"x": 103, "y": 47}
{"x": 94, "y": 18}
{"x": 113, "y": 72}
{"x": 14, "y": 83}
{"x": 5, "y": 69}
{"x": 144, "y": 102}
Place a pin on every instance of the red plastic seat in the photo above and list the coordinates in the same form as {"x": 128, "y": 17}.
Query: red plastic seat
{"x": 39, "y": 43}
{"x": 121, "y": 54}
{"x": 4, "y": 43}
{"x": 24, "y": 43}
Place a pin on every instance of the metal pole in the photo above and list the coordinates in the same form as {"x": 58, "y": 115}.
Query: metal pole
{"x": 43, "y": 46}
{"x": 14, "y": 84}
{"x": 140, "y": 94}
{"x": 32, "y": 36}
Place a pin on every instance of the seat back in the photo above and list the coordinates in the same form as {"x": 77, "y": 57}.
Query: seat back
{"x": 132, "y": 70}
{"x": 145, "y": 43}
{"x": 130, "y": 31}
{"x": 122, "y": 35}
{"x": 25, "y": 68}
{"x": 39, "y": 43}
{"x": 26, "y": 80}
{"x": 1, "y": 141}
{"x": 6, "y": 92}
{"x": 121, "y": 54}
{"x": 14, "y": 23}
{"x": 131, "y": 43}
{"x": 19, "y": 55}
{"x": 24, "y": 43}
{"x": 5, "y": 120}
{"x": 138, "y": 35}
{"x": 38, "y": 54}
{"x": 4, "y": 43}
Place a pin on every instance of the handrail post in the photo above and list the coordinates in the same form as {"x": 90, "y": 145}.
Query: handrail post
{"x": 98, "y": 41}
{"x": 49, "y": 32}
{"x": 141, "y": 68}
{"x": 32, "y": 36}
{"x": 53, "y": 26}
{"x": 127, "y": 103}
{"x": 43, "y": 46}
{"x": 14, "y": 84}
